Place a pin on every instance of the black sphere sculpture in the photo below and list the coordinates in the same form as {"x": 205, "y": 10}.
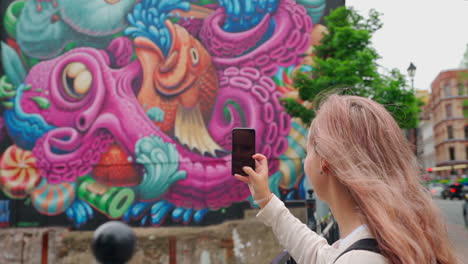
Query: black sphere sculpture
{"x": 113, "y": 243}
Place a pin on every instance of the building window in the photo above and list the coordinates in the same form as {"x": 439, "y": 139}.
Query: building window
{"x": 452, "y": 153}
{"x": 450, "y": 132}
{"x": 448, "y": 110}
{"x": 447, "y": 90}
{"x": 461, "y": 89}
{"x": 466, "y": 132}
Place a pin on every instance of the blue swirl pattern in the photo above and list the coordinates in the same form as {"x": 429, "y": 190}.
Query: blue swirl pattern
{"x": 161, "y": 161}
{"x": 147, "y": 20}
{"x": 24, "y": 128}
{"x": 79, "y": 213}
{"x": 242, "y": 15}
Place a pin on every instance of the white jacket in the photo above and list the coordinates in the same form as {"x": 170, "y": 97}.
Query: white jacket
{"x": 306, "y": 246}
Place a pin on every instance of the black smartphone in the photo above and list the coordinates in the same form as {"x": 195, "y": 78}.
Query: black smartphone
{"x": 243, "y": 148}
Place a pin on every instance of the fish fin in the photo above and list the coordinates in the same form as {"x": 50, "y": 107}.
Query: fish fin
{"x": 190, "y": 130}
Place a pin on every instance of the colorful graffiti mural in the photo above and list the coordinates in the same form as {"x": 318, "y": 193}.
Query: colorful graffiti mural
{"x": 4, "y": 213}
{"x": 123, "y": 109}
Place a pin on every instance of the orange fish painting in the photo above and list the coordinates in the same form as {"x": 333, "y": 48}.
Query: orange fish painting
{"x": 182, "y": 84}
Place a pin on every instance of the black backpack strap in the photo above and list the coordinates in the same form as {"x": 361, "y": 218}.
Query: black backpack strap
{"x": 368, "y": 244}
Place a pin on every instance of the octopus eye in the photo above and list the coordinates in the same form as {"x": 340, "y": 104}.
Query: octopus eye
{"x": 77, "y": 80}
{"x": 195, "y": 56}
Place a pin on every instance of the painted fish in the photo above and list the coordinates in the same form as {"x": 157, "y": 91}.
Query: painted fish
{"x": 182, "y": 84}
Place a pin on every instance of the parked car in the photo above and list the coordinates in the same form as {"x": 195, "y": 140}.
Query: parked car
{"x": 464, "y": 189}
{"x": 436, "y": 189}
{"x": 453, "y": 191}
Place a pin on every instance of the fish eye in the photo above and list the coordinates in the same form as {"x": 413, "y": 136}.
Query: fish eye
{"x": 77, "y": 80}
{"x": 195, "y": 56}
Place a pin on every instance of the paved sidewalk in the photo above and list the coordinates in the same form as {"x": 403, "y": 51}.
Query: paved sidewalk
{"x": 459, "y": 237}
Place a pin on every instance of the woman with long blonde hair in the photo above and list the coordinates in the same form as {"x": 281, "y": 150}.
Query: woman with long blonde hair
{"x": 361, "y": 164}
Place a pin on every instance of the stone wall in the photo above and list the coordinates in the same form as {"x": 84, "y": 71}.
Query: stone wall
{"x": 240, "y": 241}
{"x": 26, "y": 245}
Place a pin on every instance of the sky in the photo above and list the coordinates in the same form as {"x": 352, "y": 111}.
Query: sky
{"x": 431, "y": 34}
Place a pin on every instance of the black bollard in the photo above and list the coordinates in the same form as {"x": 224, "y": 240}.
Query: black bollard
{"x": 311, "y": 208}
{"x": 113, "y": 243}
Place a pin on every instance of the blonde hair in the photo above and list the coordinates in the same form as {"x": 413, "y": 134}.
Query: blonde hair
{"x": 370, "y": 156}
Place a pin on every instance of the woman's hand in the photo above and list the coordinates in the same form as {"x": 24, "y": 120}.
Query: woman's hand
{"x": 258, "y": 180}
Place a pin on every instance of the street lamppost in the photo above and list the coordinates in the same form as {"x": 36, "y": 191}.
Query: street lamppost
{"x": 411, "y": 72}
{"x": 414, "y": 131}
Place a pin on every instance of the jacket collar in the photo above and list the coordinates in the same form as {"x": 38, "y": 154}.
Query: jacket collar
{"x": 359, "y": 233}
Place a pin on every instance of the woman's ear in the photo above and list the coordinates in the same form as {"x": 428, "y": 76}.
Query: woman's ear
{"x": 324, "y": 166}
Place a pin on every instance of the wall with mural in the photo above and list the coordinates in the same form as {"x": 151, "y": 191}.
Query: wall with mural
{"x": 123, "y": 109}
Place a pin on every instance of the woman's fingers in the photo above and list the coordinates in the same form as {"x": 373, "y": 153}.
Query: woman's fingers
{"x": 259, "y": 157}
{"x": 262, "y": 161}
{"x": 258, "y": 178}
{"x": 249, "y": 171}
{"x": 242, "y": 178}
{"x": 257, "y": 165}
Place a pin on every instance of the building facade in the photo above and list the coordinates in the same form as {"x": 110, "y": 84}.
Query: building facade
{"x": 425, "y": 137}
{"x": 426, "y": 145}
{"x": 448, "y": 97}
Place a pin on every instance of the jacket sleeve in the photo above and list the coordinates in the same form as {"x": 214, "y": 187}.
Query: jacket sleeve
{"x": 304, "y": 245}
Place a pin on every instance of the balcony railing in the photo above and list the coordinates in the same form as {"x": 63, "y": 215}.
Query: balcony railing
{"x": 452, "y": 140}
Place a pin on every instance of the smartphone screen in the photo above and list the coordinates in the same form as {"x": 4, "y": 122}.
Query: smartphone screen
{"x": 243, "y": 148}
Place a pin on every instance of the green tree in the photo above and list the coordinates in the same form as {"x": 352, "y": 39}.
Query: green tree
{"x": 464, "y": 61}
{"x": 465, "y": 108}
{"x": 346, "y": 61}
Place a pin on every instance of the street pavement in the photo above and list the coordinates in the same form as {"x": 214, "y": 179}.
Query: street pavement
{"x": 458, "y": 234}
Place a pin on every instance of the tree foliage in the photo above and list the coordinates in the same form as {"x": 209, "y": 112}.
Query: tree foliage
{"x": 346, "y": 61}
{"x": 465, "y": 108}
{"x": 464, "y": 61}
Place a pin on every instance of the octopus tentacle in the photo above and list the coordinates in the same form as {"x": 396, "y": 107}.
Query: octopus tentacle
{"x": 63, "y": 154}
{"x": 225, "y": 44}
{"x": 291, "y": 37}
